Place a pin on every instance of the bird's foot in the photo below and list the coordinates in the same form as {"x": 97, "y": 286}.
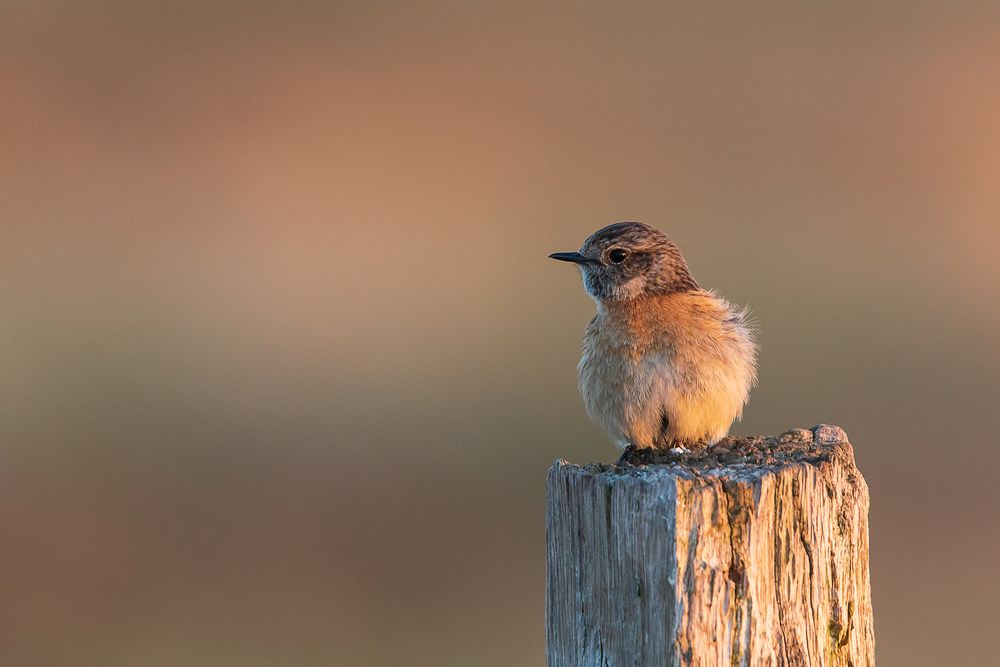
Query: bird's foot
{"x": 626, "y": 457}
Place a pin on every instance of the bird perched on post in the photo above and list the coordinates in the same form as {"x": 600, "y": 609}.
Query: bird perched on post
{"x": 665, "y": 363}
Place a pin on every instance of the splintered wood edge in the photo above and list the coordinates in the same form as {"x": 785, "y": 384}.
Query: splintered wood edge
{"x": 740, "y": 458}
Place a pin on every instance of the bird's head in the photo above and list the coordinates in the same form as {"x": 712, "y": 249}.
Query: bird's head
{"x": 629, "y": 260}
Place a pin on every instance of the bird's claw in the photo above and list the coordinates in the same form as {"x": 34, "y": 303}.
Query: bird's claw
{"x": 626, "y": 456}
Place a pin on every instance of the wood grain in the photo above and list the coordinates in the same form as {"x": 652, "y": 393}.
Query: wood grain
{"x": 752, "y": 552}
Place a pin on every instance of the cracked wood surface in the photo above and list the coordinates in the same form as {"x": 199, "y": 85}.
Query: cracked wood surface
{"x": 752, "y": 552}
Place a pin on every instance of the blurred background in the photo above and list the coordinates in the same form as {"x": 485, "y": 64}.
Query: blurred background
{"x": 284, "y": 362}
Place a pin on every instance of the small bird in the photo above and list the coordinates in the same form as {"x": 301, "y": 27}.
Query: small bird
{"x": 665, "y": 363}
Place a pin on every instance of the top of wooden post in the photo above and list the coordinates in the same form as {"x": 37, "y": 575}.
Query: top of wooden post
{"x": 753, "y": 551}
{"x": 734, "y": 458}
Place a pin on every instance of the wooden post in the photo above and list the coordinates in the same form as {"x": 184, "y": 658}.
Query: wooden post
{"x": 752, "y": 552}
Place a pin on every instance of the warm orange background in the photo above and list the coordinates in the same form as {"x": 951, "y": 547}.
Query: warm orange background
{"x": 284, "y": 362}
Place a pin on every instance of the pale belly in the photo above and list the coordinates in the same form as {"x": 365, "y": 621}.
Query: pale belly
{"x": 653, "y": 401}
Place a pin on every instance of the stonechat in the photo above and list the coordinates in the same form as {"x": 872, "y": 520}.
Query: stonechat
{"x": 665, "y": 363}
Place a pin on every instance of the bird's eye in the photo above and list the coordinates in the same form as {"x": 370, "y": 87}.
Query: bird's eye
{"x": 617, "y": 256}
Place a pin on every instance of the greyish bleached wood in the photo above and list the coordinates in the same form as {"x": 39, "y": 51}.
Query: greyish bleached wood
{"x": 753, "y": 552}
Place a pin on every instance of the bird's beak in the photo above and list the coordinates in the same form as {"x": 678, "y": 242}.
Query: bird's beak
{"x": 574, "y": 257}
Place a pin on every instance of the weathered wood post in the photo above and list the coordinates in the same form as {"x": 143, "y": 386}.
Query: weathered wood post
{"x": 753, "y": 552}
